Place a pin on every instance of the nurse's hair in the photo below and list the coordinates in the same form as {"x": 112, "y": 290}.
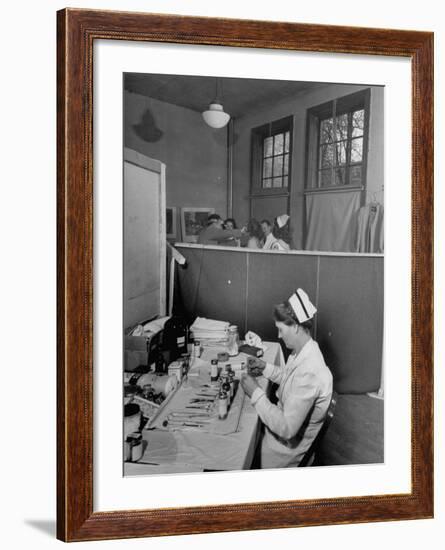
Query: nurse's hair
{"x": 284, "y": 313}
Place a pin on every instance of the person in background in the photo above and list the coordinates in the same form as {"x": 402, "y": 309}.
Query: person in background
{"x": 230, "y": 223}
{"x": 304, "y": 387}
{"x": 214, "y": 233}
{"x": 281, "y": 232}
{"x": 255, "y": 234}
{"x": 268, "y": 238}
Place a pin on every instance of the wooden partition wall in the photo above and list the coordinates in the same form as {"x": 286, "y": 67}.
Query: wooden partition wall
{"x": 242, "y": 286}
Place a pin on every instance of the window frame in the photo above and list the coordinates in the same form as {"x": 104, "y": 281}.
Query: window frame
{"x": 314, "y": 116}
{"x": 258, "y": 135}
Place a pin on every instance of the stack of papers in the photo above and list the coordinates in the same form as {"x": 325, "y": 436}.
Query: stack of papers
{"x": 209, "y": 331}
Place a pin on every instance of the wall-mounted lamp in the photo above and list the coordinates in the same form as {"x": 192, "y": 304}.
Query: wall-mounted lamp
{"x": 215, "y": 116}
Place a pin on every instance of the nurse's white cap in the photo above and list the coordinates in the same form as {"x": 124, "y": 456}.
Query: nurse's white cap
{"x": 303, "y": 308}
{"x": 282, "y": 220}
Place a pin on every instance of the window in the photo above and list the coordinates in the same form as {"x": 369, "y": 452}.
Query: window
{"x": 275, "y": 172}
{"x": 337, "y": 142}
{"x": 271, "y": 157}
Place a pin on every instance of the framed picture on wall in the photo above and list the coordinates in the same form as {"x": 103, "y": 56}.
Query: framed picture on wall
{"x": 193, "y": 220}
{"x": 95, "y": 501}
{"x": 171, "y": 223}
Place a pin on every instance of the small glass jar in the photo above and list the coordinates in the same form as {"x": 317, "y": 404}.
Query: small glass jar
{"x": 232, "y": 346}
{"x": 197, "y": 349}
{"x": 222, "y": 405}
{"x": 214, "y": 370}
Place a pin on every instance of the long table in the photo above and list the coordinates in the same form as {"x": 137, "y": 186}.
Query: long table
{"x": 194, "y": 450}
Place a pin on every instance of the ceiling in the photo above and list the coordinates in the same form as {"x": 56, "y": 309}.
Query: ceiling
{"x": 238, "y": 95}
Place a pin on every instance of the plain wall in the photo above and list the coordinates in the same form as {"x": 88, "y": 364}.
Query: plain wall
{"x": 242, "y": 286}
{"x": 195, "y": 155}
{"x": 298, "y": 107}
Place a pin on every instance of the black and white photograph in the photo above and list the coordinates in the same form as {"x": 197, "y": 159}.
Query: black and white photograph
{"x": 255, "y": 340}
{"x": 252, "y": 184}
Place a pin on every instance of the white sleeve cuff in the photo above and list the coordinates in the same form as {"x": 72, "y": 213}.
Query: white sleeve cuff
{"x": 256, "y": 395}
{"x": 268, "y": 370}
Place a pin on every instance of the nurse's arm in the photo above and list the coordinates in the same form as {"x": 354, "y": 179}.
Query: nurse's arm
{"x": 287, "y": 422}
{"x": 273, "y": 373}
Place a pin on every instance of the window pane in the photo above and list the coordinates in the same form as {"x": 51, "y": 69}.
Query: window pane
{"x": 278, "y": 166}
{"x": 340, "y": 158}
{"x": 278, "y": 144}
{"x": 277, "y": 182}
{"x": 342, "y": 127}
{"x": 355, "y": 177}
{"x": 286, "y": 165}
{"x": 358, "y": 123}
{"x": 267, "y": 168}
{"x": 268, "y": 146}
{"x": 356, "y": 150}
{"x": 267, "y": 183}
{"x": 286, "y": 142}
{"x": 340, "y": 178}
{"x": 324, "y": 178}
{"x": 326, "y": 156}
{"x": 326, "y": 131}
{"x": 285, "y": 181}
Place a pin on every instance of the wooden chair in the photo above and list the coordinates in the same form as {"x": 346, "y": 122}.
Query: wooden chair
{"x": 308, "y": 458}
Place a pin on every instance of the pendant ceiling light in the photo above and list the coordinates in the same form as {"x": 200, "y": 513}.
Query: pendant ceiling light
{"x": 215, "y": 116}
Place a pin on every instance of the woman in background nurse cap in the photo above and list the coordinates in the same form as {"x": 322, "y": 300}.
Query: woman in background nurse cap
{"x": 281, "y": 232}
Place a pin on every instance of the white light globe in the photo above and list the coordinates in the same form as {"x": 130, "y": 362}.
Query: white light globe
{"x": 215, "y": 116}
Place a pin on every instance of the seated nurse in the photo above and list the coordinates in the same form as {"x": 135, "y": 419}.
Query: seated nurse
{"x": 304, "y": 387}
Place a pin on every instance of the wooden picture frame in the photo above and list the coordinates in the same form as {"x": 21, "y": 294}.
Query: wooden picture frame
{"x": 190, "y": 213}
{"x": 77, "y": 31}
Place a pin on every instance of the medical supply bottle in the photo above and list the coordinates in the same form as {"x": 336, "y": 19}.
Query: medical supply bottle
{"x": 225, "y": 387}
{"x": 197, "y": 348}
{"x": 213, "y": 370}
{"x": 232, "y": 346}
{"x": 227, "y": 374}
{"x": 222, "y": 405}
{"x": 232, "y": 384}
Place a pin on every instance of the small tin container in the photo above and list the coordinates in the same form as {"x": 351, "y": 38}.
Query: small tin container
{"x": 133, "y": 447}
{"x": 176, "y": 368}
{"x": 132, "y": 418}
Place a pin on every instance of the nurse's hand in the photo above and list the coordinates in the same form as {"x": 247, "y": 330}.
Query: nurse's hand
{"x": 255, "y": 366}
{"x": 249, "y": 384}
